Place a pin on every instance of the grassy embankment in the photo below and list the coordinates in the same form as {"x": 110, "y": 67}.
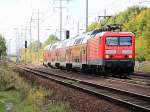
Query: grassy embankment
{"x": 143, "y": 66}
{"x": 16, "y": 95}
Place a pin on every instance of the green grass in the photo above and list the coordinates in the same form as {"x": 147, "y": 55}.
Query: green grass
{"x": 56, "y": 108}
{"x": 25, "y": 97}
{"x": 2, "y": 107}
{"x": 8, "y": 97}
{"x": 14, "y": 97}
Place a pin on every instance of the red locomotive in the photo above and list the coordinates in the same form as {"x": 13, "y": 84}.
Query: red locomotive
{"x": 103, "y": 51}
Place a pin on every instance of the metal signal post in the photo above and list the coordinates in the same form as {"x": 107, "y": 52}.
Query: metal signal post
{"x": 38, "y": 35}
{"x": 86, "y": 15}
{"x": 60, "y": 8}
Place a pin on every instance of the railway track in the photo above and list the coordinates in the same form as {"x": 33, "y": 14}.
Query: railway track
{"x": 133, "y": 79}
{"x": 134, "y": 101}
{"x": 142, "y": 75}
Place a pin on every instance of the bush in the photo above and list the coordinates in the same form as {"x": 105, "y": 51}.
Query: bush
{"x": 140, "y": 58}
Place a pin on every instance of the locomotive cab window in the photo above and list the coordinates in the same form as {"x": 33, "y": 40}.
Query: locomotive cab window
{"x": 123, "y": 41}
{"x": 112, "y": 41}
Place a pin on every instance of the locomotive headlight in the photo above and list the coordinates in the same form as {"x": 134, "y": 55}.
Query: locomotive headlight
{"x": 130, "y": 56}
{"x": 106, "y": 56}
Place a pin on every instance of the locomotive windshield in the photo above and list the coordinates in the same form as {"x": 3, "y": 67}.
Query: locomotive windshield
{"x": 113, "y": 41}
{"x": 125, "y": 41}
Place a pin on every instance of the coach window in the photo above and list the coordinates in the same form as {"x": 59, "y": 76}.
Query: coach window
{"x": 53, "y": 59}
{"x": 83, "y": 50}
{"x": 68, "y": 52}
{"x": 57, "y": 53}
{"x": 78, "y": 41}
{"x": 78, "y": 60}
{"x": 49, "y": 54}
{"x": 100, "y": 40}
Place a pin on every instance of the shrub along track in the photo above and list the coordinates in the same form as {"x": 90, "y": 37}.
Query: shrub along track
{"x": 131, "y": 100}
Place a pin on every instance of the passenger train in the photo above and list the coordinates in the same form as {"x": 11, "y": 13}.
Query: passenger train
{"x": 103, "y": 51}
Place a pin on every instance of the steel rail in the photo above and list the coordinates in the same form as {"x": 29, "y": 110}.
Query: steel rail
{"x": 143, "y": 75}
{"x": 134, "y": 101}
{"x": 134, "y": 80}
{"x": 97, "y": 85}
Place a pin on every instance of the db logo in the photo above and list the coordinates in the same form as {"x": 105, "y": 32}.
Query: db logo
{"x": 119, "y": 51}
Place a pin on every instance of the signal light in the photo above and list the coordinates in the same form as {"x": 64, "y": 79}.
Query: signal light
{"x": 25, "y": 44}
{"x": 67, "y": 34}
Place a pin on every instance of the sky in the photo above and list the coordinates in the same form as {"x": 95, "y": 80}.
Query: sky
{"x": 15, "y": 17}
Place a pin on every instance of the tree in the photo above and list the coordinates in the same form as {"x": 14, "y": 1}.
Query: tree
{"x": 2, "y": 46}
{"x": 94, "y": 26}
{"x": 51, "y": 39}
{"x": 126, "y": 18}
{"x": 146, "y": 34}
{"x": 35, "y": 46}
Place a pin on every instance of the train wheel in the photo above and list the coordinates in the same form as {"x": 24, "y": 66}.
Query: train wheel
{"x": 49, "y": 65}
{"x": 84, "y": 68}
{"x": 99, "y": 70}
{"x": 103, "y": 71}
{"x": 69, "y": 67}
{"x": 94, "y": 69}
{"x": 57, "y": 65}
{"x": 89, "y": 69}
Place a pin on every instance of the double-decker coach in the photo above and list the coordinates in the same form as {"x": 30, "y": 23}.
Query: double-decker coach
{"x": 103, "y": 50}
